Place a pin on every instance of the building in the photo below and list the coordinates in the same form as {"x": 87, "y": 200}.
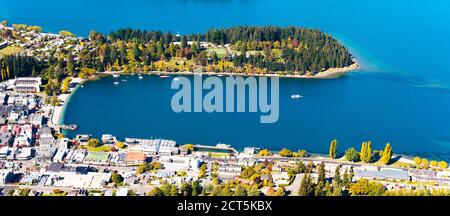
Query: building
{"x": 6, "y": 176}
{"x": 27, "y": 84}
{"x": 3, "y": 44}
{"x": 135, "y": 158}
{"x": 178, "y": 163}
{"x": 382, "y": 174}
{"x": 152, "y": 146}
{"x": 26, "y": 153}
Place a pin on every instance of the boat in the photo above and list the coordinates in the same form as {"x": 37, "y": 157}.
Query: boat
{"x": 116, "y": 75}
{"x": 220, "y": 75}
{"x": 176, "y": 79}
{"x": 141, "y": 77}
{"x": 82, "y": 86}
{"x": 124, "y": 80}
{"x": 69, "y": 127}
{"x": 296, "y": 96}
{"x": 116, "y": 83}
{"x": 164, "y": 76}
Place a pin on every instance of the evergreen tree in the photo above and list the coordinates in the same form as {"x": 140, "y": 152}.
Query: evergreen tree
{"x": 306, "y": 186}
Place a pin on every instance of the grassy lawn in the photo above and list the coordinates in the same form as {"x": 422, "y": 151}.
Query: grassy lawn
{"x": 10, "y": 50}
{"x": 103, "y": 148}
{"x": 220, "y": 51}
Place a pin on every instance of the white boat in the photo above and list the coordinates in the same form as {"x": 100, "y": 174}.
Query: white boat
{"x": 116, "y": 75}
{"x": 296, "y": 96}
{"x": 82, "y": 86}
{"x": 124, "y": 80}
{"x": 176, "y": 79}
{"x": 141, "y": 77}
{"x": 116, "y": 83}
{"x": 164, "y": 76}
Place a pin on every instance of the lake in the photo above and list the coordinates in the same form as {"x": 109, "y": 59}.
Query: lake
{"x": 400, "y": 95}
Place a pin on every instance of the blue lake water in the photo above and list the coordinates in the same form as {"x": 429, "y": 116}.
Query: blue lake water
{"x": 401, "y": 94}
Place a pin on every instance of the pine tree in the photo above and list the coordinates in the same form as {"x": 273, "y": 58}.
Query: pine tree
{"x": 337, "y": 176}
{"x": 306, "y": 187}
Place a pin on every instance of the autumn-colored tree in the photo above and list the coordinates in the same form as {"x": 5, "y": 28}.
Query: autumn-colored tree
{"x": 333, "y": 149}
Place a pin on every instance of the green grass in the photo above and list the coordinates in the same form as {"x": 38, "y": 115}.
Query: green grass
{"x": 220, "y": 51}
{"x": 10, "y": 50}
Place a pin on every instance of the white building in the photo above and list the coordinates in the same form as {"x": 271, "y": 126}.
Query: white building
{"x": 153, "y": 146}
{"x": 27, "y": 84}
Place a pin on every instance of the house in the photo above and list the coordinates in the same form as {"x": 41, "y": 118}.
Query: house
{"x": 135, "y": 158}
{"x": 36, "y": 119}
{"x": 4, "y": 152}
{"x": 26, "y": 153}
{"x": 60, "y": 155}
{"x": 27, "y": 84}
{"x": 55, "y": 167}
{"x": 63, "y": 143}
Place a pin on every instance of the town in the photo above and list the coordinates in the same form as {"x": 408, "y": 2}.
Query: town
{"x": 37, "y": 159}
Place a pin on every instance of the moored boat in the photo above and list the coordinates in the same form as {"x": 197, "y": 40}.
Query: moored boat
{"x": 296, "y": 96}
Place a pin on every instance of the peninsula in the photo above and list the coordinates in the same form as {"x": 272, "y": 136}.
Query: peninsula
{"x": 261, "y": 51}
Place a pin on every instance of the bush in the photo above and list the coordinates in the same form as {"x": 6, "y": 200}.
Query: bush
{"x": 352, "y": 155}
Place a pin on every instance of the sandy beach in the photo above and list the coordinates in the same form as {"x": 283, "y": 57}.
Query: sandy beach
{"x": 63, "y": 99}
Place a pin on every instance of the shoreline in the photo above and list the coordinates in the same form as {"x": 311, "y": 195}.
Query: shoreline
{"x": 330, "y": 73}
{"x": 59, "y": 111}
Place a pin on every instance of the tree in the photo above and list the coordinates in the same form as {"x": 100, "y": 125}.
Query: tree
{"x": 93, "y": 143}
{"x": 337, "y": 176}
{"x": 156, "y": 191}
{"x": 365, "y": 187}
{"x": 366, "y": 152}
{"x": 120, "y": 145}
{"x": 239, "y": 191}
{"x": 387, "y": 154}
{"x": 280, "y": 192}
{"x": 352, "y": 155}
{"x": 424, "y": 163}
{"x": 117, "y": 178}
{"x": 66, "y": 33}
{"x": 202, "y": 172}
{"x": 264, "y": 152}
{"x": 333, "y": 149}
{"x": 443, "y": 165}
{"x": 433, "y": 163}
{"x": 306, "y": 186}
{"x": 417, "y": 160}
{"x": 185, "y": 189}
{"x": 285, "y": 152}
{"x": 54, "y": 101}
